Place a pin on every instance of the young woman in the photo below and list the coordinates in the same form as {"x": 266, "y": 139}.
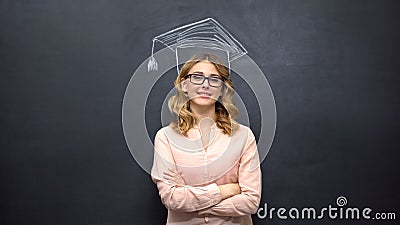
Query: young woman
{"x": 206, "y": 165}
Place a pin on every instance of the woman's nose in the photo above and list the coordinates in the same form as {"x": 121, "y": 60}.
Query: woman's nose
{"x": 206, "y": 83}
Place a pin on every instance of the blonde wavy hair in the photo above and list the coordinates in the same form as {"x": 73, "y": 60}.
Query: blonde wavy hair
{"x": 225, "y": 109}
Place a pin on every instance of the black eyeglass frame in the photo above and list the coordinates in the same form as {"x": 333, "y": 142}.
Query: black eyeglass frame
{"x": 204, "y": 79}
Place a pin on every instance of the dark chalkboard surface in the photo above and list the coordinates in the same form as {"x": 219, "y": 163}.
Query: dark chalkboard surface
{"x": 64, "y": 67}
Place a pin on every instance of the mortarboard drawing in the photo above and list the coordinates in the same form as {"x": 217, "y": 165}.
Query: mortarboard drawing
{"x": 203, "y": 35}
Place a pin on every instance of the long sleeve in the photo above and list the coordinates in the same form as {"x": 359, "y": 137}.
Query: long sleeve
{"x": 249, "y": 179}
{"x": 181, "y": 199}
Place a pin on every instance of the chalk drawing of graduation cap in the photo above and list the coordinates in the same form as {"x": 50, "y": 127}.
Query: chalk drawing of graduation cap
{"x": 206, "y": 36}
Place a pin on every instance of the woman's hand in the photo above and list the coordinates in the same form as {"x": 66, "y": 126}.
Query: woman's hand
{"x": 174, "y": 177}
{"x": 229, "y": 190}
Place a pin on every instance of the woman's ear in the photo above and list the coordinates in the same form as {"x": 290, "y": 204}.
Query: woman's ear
{"x": 184, "y": 85}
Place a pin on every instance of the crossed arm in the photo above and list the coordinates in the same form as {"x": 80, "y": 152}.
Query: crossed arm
{"x": 225, "y": 190}
{"x": 232, "y": 199}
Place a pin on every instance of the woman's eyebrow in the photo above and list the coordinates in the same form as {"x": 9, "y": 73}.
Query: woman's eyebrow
{"x": 201, "y": 73}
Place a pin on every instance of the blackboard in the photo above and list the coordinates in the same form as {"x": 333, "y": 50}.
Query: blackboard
{"x": 64, "y": 67}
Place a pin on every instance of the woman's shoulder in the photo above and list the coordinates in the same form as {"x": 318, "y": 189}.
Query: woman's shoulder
{"x": 163, "y": 131}
{"x": 244, "y": 130}
{"x": 243, "y": 127}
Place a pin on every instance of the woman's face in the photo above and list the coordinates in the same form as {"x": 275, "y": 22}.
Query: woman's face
{"x": 198, "y": 87}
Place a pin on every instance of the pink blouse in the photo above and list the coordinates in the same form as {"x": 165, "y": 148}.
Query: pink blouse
{"x": 227, "y": 160}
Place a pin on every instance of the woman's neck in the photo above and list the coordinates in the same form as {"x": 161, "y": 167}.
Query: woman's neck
{"x": 203, "y": 111}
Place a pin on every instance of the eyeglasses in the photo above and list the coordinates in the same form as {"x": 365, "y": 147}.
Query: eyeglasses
{"x": 198, "y": 79}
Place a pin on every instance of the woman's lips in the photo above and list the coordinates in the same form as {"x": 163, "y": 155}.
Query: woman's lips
{"x": 204, "y": 94}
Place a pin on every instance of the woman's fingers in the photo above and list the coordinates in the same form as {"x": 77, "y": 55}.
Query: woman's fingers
{"x": 237, "y": 189}
{"x": 173, "y": 176}
{"x": 170, "y": 174}
{"x": 172, "y": 171}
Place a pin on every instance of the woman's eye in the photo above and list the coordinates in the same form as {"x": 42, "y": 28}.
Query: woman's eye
{"x": 198, "y": 77}
{"x": 214, "y": 80}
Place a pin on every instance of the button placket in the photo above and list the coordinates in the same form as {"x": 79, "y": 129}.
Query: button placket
{"x": 205, "y": 165}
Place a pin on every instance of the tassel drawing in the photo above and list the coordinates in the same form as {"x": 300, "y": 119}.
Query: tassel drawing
{"x": 152, "y": 65}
